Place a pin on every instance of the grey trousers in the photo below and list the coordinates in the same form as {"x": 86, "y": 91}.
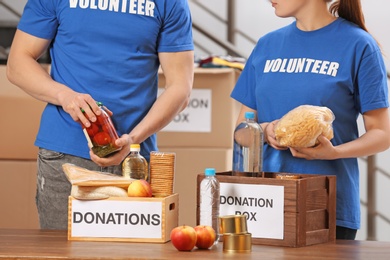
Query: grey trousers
{"x": 53, "y": 188}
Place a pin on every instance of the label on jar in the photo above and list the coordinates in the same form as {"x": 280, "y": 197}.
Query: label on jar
{"x": 90, "y": 145}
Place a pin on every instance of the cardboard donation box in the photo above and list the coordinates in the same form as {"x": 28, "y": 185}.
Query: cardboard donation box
{"x": 210, "y": 116}
{"x": 19, "y": 120}
{"x": 202, "y": 134}
{"x": 293, "y": 212}
{"x": 123, "y": 219}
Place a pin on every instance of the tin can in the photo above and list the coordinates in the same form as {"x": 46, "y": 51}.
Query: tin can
{"x": 235, "y": 224}
{"x": 239, "y": 243}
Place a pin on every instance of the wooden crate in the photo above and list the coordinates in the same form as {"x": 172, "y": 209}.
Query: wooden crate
{"x": 309, "y": 207}
{"x": 123, "y": 219}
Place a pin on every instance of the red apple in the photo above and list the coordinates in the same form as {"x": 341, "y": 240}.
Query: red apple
{"x": 183, "y": 238}
{"x": 139, "y": 188}
{"x": 205, "y": 236}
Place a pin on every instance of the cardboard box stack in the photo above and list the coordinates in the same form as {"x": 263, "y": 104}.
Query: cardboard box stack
{"x": 202, "y": 135}
{"x": 20, "y": 115}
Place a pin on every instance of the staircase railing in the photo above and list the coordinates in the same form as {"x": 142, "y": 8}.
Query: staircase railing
{"x": 10, "y": 9}
{"x": 372, "y": 212}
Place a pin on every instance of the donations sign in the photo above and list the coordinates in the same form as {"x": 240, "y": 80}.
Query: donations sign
{"x": 116, "y": 219}
{"x": 263, "y": 206}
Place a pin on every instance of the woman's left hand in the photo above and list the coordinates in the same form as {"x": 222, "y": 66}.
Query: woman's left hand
{"x": 323, "y": 151}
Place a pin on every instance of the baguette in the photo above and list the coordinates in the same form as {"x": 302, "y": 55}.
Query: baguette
{"x": 97, "y": 193}
{"x": 84, "y": 177}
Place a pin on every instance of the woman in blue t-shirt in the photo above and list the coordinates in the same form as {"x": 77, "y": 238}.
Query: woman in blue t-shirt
{"x": 327, "y": 58}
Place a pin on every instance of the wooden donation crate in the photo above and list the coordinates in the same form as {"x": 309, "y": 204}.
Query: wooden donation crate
{"x": 123, "y": 219}
{"x": 280, "y": 211}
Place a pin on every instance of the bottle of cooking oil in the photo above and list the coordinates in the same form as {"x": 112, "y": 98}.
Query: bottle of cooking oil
{"x": 135, "y": 166}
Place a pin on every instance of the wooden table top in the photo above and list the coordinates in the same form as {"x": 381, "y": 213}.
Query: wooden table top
{"x": 44, "y": 244}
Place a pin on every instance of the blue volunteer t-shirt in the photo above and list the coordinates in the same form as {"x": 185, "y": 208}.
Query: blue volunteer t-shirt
{"x": 108, "y": 49}
{"x": 339, "y": 66}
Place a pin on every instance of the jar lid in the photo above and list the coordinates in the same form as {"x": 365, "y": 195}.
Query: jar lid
{"x": 100, "y": 104}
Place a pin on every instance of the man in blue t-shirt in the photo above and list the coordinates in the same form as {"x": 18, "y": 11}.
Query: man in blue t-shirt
{"x": 101, "y": 51}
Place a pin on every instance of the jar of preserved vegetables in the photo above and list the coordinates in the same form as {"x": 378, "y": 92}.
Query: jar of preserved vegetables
{"x": 101, "y": 134}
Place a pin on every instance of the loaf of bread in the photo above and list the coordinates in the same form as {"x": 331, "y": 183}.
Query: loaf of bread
{"x": 97, "y": 193}
{"x": 301, "y": 126}
{"x": 84, "y": 177}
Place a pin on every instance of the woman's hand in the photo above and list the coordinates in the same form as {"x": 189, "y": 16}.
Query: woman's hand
{"x": 323, "y": 151}
{"x": 269, "y": 136}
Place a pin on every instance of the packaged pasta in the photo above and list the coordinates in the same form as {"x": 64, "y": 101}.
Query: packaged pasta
{"x": 301, "y": 126}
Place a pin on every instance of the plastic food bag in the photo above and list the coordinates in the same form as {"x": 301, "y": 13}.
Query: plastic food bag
{"x": 301, "y": 126}
{"x": 83, "y": 177}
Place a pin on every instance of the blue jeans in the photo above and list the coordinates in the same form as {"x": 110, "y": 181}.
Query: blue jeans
{"x": 53, "y": 188}
{"x": 345, "y": 233}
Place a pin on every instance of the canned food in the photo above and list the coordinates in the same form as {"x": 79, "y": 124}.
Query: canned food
{"x": 235, "y": 224}
{"x": 237, "y": 242}
{"x": 101, "y": 134}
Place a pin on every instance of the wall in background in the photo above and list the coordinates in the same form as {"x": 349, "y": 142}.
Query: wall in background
{"x": 256, "y": 18}
{"x": 6, "y": 15}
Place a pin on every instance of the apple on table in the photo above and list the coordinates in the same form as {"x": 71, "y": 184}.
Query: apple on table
{"x": 183, "y": 238}
{"x": 206, "y": 236}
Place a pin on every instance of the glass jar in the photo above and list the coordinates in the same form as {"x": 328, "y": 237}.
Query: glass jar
{"x": 101, "y": 134}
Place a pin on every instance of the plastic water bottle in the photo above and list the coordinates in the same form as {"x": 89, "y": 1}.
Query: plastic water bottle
{"x": 135, "y": 166}
{"x": 209, "y": 201}
{"x": 248, "y": 148}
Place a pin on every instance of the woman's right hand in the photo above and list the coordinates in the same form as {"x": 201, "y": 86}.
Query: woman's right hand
{"x": 269, "y": 136}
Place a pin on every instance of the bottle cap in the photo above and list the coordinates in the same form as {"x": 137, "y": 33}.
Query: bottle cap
{"x": 135, "y": 147}
{"x": 209, "y": 171}
{"x": 249, "y": 115}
